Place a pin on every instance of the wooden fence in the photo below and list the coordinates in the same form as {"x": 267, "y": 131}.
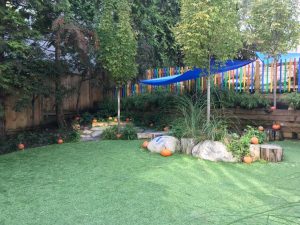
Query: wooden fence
{"x": 44, "y": 108}
{"x": 257, "y": 76}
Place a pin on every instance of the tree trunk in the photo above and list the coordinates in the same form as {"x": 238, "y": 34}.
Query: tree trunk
{"x": 119, "y": 108}
{"x": 275, "y": 84}
{"x": 2, "y": 117}
{"x": 33, "y": 110}
{"x": 271, "y": 153}
{"x": 60, "y": 116}
{"x": 208, "y": 94}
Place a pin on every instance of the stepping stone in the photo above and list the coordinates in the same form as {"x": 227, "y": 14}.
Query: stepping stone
{"x": 97, "y": 133}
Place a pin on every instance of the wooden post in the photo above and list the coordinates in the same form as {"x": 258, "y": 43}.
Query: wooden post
{"x": 257, "y": 77}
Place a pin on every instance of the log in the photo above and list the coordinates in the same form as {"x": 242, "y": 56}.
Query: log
{"x": 186, "y": 145}
{"x": 271, "y": 153}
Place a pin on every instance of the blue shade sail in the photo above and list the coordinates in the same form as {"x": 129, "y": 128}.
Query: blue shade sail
{"x": 197, "y": 72}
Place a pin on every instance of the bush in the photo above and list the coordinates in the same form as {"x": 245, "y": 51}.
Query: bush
{"x": 232, "y": 99}
{"x": 128, "y": 133}
{"x": 149, "y": 107}
{"x": 293, "y": 99}
{"x": 241, "y": 146}
{"x": 192, "y": 122}
{"x": 37, "y": 138}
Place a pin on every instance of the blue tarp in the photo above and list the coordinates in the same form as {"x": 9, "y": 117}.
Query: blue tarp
{"x": 264, "y": 58}
{"x": 197, "y": 73}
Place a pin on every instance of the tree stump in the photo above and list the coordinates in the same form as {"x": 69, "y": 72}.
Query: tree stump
{"x": 271, "y": 153}
{"x": 186, "y": 145}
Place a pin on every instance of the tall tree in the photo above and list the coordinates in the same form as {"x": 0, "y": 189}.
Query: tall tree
{"x": 152, "y": 23}
{"x": 208, "y": 30}
{"x": 274, "y": 28}
{"x": 118, "y": 44}
{"x": 17, "y": 52}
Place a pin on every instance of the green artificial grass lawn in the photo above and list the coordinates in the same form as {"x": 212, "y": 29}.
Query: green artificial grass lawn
{"x": 116, "y": 182}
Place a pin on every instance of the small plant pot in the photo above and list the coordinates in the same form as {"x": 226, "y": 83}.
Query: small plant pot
{"x": 247, "y": 159}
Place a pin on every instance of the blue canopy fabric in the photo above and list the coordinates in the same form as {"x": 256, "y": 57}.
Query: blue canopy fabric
{"x": 264, "y": 58}
{"x": 197, "y": 72}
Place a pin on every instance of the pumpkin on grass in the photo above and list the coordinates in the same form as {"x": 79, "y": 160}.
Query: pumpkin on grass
{"x": 165, "y": 152}
{"x": 21, "y": 146}
{"x": 247, "y": 159}
{"x": 145, "y": 144}
{"x": 60, "y": 141}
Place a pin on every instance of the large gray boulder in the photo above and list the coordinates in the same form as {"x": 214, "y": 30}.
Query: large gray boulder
{"x": 159, "y": 143}
{"x": 213, "y": 151}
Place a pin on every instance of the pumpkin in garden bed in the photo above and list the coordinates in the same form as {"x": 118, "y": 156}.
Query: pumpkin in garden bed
{"x": 254, "y": 140}
{"x": 115, "y": 120}
{"x": 145, "y": 144}
{"x": 21, "y": 146}
{"x": 261, "y": 128}
{"x": 110, "y": 118}
{"x": 166, "y": 129}
{"x": 127, "y": 120}
{"x": 276, "y": 126}
{"x": 247, "y": 159}
{"x": 165, "y": 152}
{"x": 118, "y": 136}
{"x": 273, "y": 108}
{"x": 95, "y": 121}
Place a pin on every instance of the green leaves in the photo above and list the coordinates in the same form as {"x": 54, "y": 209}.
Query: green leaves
{"x": 273, "y": 26}
{"x": 208, "y": 29}
{"x": 118, "y": 43}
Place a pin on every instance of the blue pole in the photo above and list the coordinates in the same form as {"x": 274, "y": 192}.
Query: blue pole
{"x": 262, "y": 77}
{"x": 252, "y": 77}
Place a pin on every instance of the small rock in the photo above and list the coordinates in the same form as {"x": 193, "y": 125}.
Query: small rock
{"x": 98, "y": 129}
{"x": 213, "y": 151}
{"x": 87, "y": 132}
{"x": 97, "y": 133}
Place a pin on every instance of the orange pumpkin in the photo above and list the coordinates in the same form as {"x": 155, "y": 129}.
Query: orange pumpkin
{"x": 118, "y": 136}
{"x": 60, "y": 141}
{"x": 276, "y": 126}
{"x": 166, "y": 152}
{"x": 254, "y": 140}
{"x": 145, "y": 144}
{"x": 247, "y": 159}
{"x": 273, "y": 108}
{"x": 261, "y": 128}
{"x": 95, "y": 121}
{"x": 110, "y": 118}
{"x": 21, "y": 146}
{"x": 127, "y": 120}
{"x": 115, "y": 120}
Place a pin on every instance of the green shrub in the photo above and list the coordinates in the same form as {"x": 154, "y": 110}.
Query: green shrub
{"x": 86, "y": 118}
{"x": 241, "y": 146}
{"x": 156, "y": 107}
{"x": 232, "y": 99}
{"x": 128, "y": 133}
{"x": 293, "y": 99}
{"x": 37, "y": 138}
